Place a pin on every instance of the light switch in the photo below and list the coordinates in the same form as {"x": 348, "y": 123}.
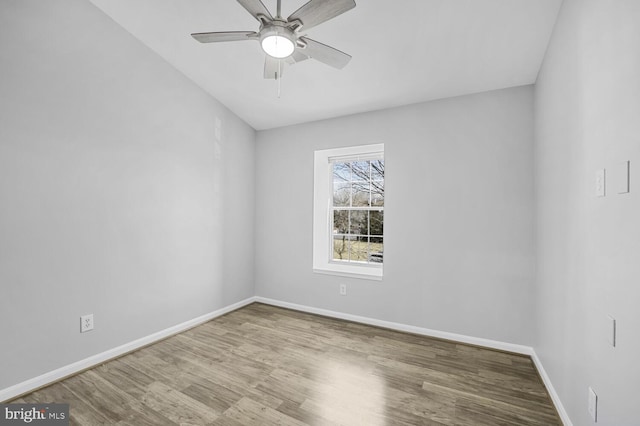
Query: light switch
{"x": 611, "y": 330}
{"x": 600, "y": 182}
{"x": 622, "y": 177}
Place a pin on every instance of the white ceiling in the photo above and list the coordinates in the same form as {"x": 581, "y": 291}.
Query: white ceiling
{"x": 404, "y": 51}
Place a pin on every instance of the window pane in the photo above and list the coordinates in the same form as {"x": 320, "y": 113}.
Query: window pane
{"x": 377, "y": 200}
{"x": 341, "y": 194}
{"x": 341, "y": 184}
{"x": 377, "y": 193}
{"x": 340, "y": 221}
{"x": 376, "y": 250}
{"x": 341, "y": 172}
{"x": 377, "y": 170}
{"x": 361, "y": 193}
{"x": 361, "y": 171}
{"x": 377, "y": 183}
{"x": 359, "y": 249}
{"x": 341, "y": 245}
{"x": 358, "y": 223}
{"x": 376, "y": 223}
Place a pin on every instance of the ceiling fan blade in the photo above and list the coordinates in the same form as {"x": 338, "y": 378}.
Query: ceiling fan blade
{"x": 325, "y": 54}
{"x": 318, "y": 11}
{"x": 297, "y": 56}
{"x": 256, "y": 8}
{"x": 224, "y": 36}
{"x": 273, "y": 68}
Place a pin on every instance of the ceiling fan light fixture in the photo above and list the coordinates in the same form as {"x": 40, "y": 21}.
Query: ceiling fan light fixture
{"x": 277, "y": 44}
{"x": 280, "y": 37}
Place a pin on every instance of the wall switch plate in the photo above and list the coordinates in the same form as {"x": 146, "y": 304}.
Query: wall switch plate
{"x": 622, "y": 177}
{"x": 593, "y": 405}
{"x": 86, "y": 323}
{"x": 600, "y": 183}
{"x": 343, "y": 289}
{"x": 611, "y": 330}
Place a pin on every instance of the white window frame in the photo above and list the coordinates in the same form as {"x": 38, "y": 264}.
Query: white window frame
{"x": 322, "y": 227}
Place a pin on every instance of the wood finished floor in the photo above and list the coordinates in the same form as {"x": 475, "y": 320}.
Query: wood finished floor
{"x": 263, "y": 365}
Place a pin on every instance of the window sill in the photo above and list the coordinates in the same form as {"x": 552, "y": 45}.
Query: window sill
{"x": 364, "y": 273}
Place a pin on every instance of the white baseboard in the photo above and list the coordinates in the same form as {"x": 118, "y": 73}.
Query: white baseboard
{"x": 564, "y": 416}
{"x": 493, "y": 344}
{"x": 68, "y": 370}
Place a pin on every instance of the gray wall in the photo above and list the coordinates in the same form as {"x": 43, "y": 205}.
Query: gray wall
{"x": 114, "y": 199}
{"x": 587, "y": 107}
{"x": 458, "y": 215}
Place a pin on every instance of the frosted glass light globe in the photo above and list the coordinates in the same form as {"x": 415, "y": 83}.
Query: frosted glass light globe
{"x": 277, "y": 46}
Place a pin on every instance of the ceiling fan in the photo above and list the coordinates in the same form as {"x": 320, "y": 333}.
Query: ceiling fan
{"x": 280, "y": 38}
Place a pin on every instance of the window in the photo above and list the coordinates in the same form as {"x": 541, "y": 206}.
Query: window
{"x": 357, "y": 209}
{"x": 348, "y": 234}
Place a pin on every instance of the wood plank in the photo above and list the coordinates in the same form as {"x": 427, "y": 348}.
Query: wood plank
{"x": 176, "y": 406}
{"x": 250, "y": 412}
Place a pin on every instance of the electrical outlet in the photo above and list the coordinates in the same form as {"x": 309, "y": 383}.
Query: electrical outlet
{"x": 86, "y": 323}
{"x": 593, "y": 405}
{"x": 343, "y": 289}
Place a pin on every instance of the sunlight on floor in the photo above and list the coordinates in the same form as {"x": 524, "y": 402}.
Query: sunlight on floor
{"x": 348, "y": 394}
